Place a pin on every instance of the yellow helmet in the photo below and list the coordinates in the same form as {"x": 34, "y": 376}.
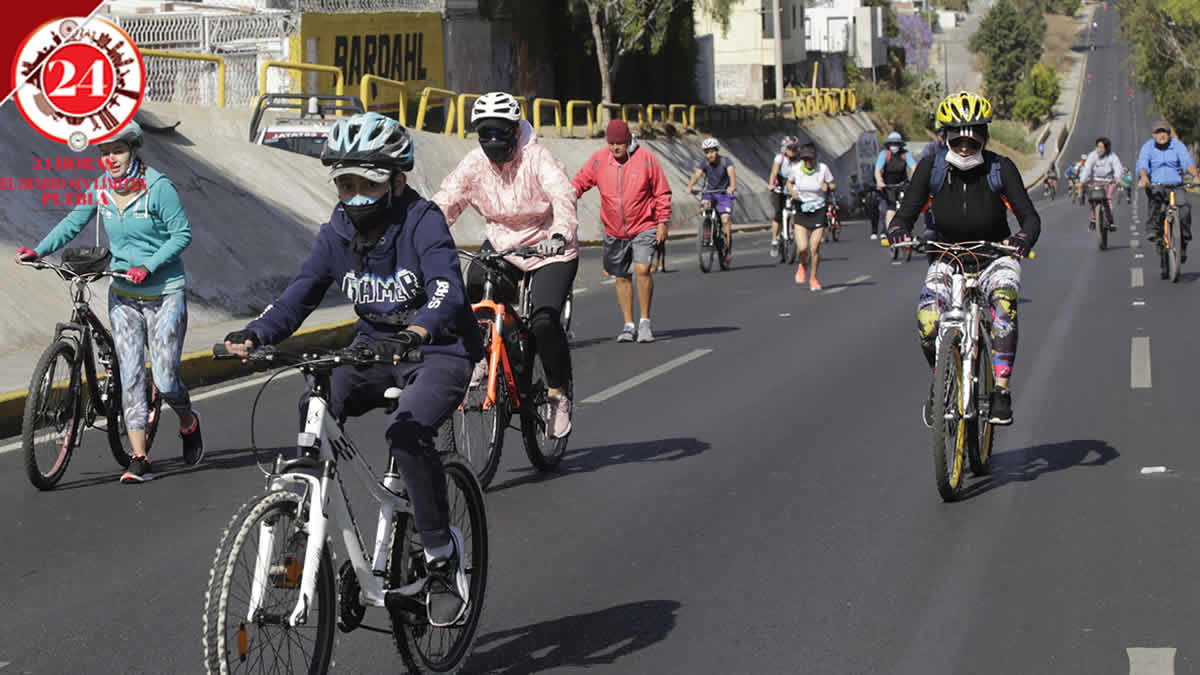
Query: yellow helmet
{"x": 964, "y": 109}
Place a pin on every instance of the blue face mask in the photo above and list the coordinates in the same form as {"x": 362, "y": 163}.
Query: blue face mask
{"x": 361, "y": 200}
{"x": 366, "y": 212}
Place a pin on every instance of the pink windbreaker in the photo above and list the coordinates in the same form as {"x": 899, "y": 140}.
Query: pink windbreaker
{"x": 523, "y": 202}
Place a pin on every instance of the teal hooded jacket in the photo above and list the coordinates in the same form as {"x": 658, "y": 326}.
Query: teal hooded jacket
{"x": 151, "y": 231}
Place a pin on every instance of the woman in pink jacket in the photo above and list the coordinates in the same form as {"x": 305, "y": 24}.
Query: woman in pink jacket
{"x": 526, "y": 199}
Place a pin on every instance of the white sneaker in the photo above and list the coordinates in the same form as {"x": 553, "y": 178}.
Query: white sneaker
{"x": 874, "y": 236}
{"x": 559, "y": 423}
{"x": 644, "y": 334}
{"x": 626, "y": 334}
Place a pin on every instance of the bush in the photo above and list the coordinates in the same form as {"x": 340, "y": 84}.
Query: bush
{"x": 1011, "y": 134}
{"x": 1045, "y": 84}
{"x": 954, "y": 5}
{"x": 1031, "y": 109}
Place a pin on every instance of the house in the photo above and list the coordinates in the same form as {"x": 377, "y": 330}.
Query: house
{"x": 738, "y": 65}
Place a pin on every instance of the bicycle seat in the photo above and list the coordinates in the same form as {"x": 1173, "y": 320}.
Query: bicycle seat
{"x": 392, "y": 393}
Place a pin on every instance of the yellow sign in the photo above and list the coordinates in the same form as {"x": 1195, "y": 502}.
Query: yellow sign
{"x": 402, "y": 46}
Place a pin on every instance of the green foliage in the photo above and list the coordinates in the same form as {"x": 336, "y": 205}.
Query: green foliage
{"x": 1012, "y": 134}
{"x": 1044, "y": 83}
{"x": 954, "y": 5}
{"x": 1031, "y": 109}
{"x": 1010, "y": 37}
{"x": 891, "y": 29}
{"x": 1164, "y": 36}
{"x": 1063, "y": 7}
{"x": 720, "y": 10}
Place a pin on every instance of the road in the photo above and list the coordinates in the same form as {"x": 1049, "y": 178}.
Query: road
{"x": 768, "y": 507}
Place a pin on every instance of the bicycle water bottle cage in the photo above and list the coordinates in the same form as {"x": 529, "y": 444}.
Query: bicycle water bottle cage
{"x": 86, "y": 259}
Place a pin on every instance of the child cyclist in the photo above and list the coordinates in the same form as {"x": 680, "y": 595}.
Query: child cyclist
{"x": 392, "y": 254}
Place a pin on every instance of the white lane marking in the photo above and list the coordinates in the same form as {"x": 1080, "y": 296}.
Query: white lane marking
{"x": 602, "y": 396}
{"x": 1139, "y": 303}
{"x": 1134, "y": 243}
{"x": 578, "y": 291}
{"x": 785, "y": 314}
{"x": 1151, "y": 660}
{"x": 1137, "y": 279}
{"x": 856, "y": 280}
{"x": 609, "y": 281}
{"x": 241, "y": 384}
{"x": 1139, "y": 256}
{"x": 1147, "y": 470}
{"x": 1139, "y": 363}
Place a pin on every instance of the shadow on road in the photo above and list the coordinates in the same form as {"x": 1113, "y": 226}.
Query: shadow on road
{"x": 1027, "y": 464}
{"x": 583, "y": 640}
{"x": 586, "y": 460}
{"x": 168, "y": 466}
{"x": 659, "y": 335}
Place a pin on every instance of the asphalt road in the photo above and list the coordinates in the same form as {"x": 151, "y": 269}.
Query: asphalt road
{"x": 767, "y": 507}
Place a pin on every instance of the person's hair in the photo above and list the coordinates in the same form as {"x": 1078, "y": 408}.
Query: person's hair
{"x": 1103, "y": 140}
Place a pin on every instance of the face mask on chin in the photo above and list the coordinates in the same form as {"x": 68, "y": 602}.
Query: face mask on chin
{"x": 964, "y": 163}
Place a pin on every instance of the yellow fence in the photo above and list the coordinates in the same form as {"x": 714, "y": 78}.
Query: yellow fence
{"x": 364, "y": 90}
{"x": 190, "y": 56}
{"x": 339, "y": 82}
{"x": 587, "y": 107}
{"x": 677, "y": 108}
{"x": 537, "y": 114}
{"x": 447, "y": 97}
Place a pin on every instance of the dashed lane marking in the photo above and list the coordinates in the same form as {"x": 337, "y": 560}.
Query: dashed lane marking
{"x": 602, "y": 396}
{"x": 1139, "y": 256}
{"x": 1134, "y": 243}
{"x": 1139, "y": 363}
{"x": 1137, "y": 279}
{"x": 848, "y": 284}
{"x": 1151, "y": 660}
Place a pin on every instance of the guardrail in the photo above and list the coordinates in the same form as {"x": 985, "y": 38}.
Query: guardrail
{"x": 462, "y": 113}
{"x": 537, "y": 114}
{"x": 365, "y": 87}
{"x": 447, "y": 96}
{"x": 591, "y": 121}
{"x": 680, "y": 108}
{"x": 650, "y": 110}
{"x": 615, "y": 107}
{"x": 339, "y": 86}
{"x": 191, "y": 56}
{"x": 637, "y": 107}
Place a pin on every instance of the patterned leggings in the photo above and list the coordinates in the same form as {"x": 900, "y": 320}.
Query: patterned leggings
{"x": 1000, "y": 281}
{"x": 161, "y": 322}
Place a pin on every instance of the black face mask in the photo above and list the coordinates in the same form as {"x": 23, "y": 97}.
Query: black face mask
{"x": 367, "y": 217}
{"x": 499, "y": 150}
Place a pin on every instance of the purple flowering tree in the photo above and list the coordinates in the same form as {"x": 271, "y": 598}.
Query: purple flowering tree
{"x": 916, "y": 37}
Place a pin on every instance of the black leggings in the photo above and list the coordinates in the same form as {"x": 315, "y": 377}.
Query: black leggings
{"x": 549, "y": 286}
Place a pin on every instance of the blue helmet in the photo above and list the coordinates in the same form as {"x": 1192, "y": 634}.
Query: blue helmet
{"x": 895, "y": 137}
{"x": 369, "y": 139}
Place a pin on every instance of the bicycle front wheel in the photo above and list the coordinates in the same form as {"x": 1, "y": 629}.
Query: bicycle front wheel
{"x": 1173, "y": 252}
{"x": 1102, "y": 222}
{"x": 51, "y": 425}
{"x": 949, "y": 426}
{"x": 704, "y": 246}
{"x": 479, "y": 431}
{"x": 543, "y": 451}
{"x": 426, "y": 648}
{"x": 267, "y": 535}
{"x": 980, "y": 430}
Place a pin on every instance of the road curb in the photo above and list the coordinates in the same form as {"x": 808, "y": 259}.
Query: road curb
{"x": 1074, "y": 112}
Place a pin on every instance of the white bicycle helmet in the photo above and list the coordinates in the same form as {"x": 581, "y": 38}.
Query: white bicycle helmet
{"x": 788, "y": 141}
{"x": 710, "y": 144}
{"x": 495, "y": 105}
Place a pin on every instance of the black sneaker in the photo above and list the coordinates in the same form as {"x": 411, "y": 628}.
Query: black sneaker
{"x": 447, "y": 588}
{"x": 193, "y": 442}
{"x": 1001, "y": 407}
{"x": 927, "y": 409}
{"x": 1091, "y": 225}
{"x": 138, "y": 471}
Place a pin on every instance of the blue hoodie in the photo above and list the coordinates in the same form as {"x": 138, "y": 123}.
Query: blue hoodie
{"x": 151, "y": 231}
{"x": 411, "y": 275}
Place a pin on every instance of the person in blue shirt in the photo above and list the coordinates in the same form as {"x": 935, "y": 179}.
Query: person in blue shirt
{"x": 390, "y": 252}
{"x": 893, "y": 166}
{"x": 1162, "y": 161}
{"x": 148, "y": 231}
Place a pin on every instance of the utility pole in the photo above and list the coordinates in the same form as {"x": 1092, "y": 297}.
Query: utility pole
{"x": 775, "y": 12}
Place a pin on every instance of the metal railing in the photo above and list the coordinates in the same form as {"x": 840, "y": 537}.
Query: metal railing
{"x": 537, "y": 113}
{"x": 447, "y": 97}
{"x": 364, "y": 89}
{"x": 591, "y": 120}
{"x": 338, "y": 79}
{"x": 198, "y": 79}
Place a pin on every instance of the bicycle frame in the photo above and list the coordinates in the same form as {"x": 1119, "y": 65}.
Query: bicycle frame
{"x": 710, "y": 214}
{"x": 323, "y": 442}
{"x": 965, "y": 318}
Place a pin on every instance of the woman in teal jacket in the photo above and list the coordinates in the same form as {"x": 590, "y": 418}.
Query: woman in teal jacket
{"x": 147, "y": 232}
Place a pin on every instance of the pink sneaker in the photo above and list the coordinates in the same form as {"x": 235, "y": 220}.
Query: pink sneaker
{"x": 814, "y": 285}
{"x": 559, "y": 423}
{"x": 800, "y": 273}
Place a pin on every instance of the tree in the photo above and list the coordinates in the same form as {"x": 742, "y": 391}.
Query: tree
{"x": 1010, "y": 36}
{"x": 622, "y": 26}
{"x": 916, "y": 37}
{"x": 1164, "y": 36}
{"x": 1031, "y": 109}
{"x": 1044, "y": 84}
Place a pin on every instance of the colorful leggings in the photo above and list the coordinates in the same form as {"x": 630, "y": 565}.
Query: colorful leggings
{"x": 1001, "y": 283}
{"x": 161, "y": 322}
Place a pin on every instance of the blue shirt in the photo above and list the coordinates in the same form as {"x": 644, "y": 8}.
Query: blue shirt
{"x": 1164, "y": 167}
{"x": 716, "y": 176}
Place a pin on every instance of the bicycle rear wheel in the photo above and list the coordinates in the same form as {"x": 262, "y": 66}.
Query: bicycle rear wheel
{"x": 949, "y": 427}
{"x": 53, "y": 415}
{"x": 1102, "y": 226}
{"x": 426, "y": 648}
{"x": 1173, "y": 251}
{"x": 267, "y": 528}
{"x": 543, "y": 451}
{"x": 704, "y": 245}
{"x": 979, "y": 430}
{"x": 118, "y": 433}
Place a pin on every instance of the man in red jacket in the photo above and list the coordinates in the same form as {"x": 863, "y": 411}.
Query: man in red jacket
{"x": 635, "y": 205}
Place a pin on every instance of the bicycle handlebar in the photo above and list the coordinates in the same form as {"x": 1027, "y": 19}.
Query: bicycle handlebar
{"x": 358, "y": 354}
{"x": 39, "y": 264}
{"x": 965, "y": 246}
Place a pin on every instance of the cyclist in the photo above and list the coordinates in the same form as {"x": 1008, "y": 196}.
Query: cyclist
{"x": 1162, "y": 161}
{"x": 1072, "y": 175}
{"x": 526, "y": 199}
{"x": 893, "y": 166}
{"x": 810, "y": 182}
{"x": 972, "y": 210}
{"x": 392, "y": 254}
{"x": 1127, "y": 184}
{"x": 782, "y": 163}
{"x": 1078, "y": 173}
{"x": 1103, "y": 167}
{"x": 1051, "y": 178}
{"x": 720, "y": 185}
{"x": 147, "y": 232}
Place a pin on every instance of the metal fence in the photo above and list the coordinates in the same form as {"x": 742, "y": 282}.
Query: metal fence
{"x": 333, "y": 6}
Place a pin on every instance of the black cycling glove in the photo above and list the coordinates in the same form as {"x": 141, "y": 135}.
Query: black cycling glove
{"x": 238, "y": 337}
{"x": 896, "y": 235}
{"x": 1022, "y": 243}
{"x": 398, "y": 345}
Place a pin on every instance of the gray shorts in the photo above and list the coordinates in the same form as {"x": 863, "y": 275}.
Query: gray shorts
{"x": 620, "y": 253}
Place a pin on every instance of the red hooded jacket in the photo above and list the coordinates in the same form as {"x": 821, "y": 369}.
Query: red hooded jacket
{"x": 634, "y": 196}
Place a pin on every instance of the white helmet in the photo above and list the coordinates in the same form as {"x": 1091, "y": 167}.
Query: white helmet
{"x": 495, "y": 105}
{"x": 709, "y": 144}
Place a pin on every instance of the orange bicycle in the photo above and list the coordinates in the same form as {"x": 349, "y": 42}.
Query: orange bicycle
{"x": 515, "y": 381}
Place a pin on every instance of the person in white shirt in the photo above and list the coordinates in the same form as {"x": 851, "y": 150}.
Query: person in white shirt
{"x": 1104, "y": 167}
{"x": 808, "y": 181}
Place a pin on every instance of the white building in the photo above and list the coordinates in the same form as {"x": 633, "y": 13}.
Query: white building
{"x": 846, "y": 27}
{"x": 739, "y": 65}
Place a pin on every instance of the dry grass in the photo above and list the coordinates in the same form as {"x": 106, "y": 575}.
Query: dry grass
{"x": 1056, "y": 46}
{"x": 1022, "y": 160}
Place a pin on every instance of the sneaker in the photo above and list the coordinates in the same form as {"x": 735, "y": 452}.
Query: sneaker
{"x": 728, "y": 255}
{"x": 193, "y": 442}
{"x": 138, "y": 471}
{"x": 774, "y": 248}
{"x": 626, "y": 334}
{"x": 1001, "y": 407}
{"x": 1112, "y": 227}
{"x": 801, "y": 273}
{"x": 447, "y": 588}
{"x": 558, "y": 422}
{"x": 813, "y": 284}
{"x": 927, "y": 409}
{"x": 1091, "y": 225}
{"x": 644, "y": 334}
{"x": 874, "y": 236}
{"x": 480, "y": 373}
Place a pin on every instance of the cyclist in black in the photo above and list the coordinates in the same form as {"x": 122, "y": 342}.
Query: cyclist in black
{"x": 971, "y": 189}
{"x": 893, "y": 166}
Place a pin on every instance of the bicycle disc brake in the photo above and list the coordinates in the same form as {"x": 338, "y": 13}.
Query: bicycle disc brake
{"x": 350, "y": 610}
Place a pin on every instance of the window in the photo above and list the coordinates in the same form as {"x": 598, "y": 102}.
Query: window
{"x": 807, "y": 29}
{"x": 793, "y": 17}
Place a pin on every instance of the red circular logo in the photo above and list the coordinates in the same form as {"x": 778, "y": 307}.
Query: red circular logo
{"x": 78, "y": 80}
